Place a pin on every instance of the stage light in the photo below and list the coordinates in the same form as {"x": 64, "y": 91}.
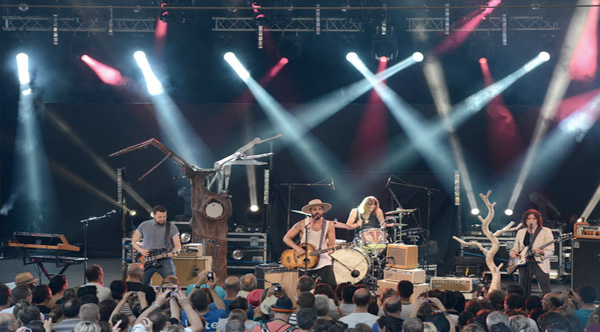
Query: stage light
{"x": 23, "y": 7}
{"x": 508, "y": 212}
{"x": 237, "y": 254}
{"x": 254, "y": 208}
{"x": 237, "y": 66}
{"x": 417, "y": 56}
{"x": 544, "y": 56}
{"x": 23, "y": 68}
{"x": 351, "y": 56}
{"x": 133, "y": 213}
{"x": 152, "y": 83}
{"x": 474, "y": 211}
{"x": 284, "y": 61}
{"x": 384, "y": 45}
{"x": 482, "y": 61}
{"x": 185, "y": 237}
{"x": 383, "y": 59}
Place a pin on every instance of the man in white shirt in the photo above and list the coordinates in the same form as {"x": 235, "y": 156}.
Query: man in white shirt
{"x": 95, "y": 277}
{"x": 361, "y": 298}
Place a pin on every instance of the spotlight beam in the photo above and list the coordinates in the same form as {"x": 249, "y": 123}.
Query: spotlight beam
{"x": 439, "y": 90}
{"x": 556, "y": 90}
{"x": 411, "y": 122}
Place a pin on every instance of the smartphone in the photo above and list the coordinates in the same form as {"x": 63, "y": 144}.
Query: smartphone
{"x": 427, "y": 301}
{"x": 210, "y": 276}
{"x": 277, "y": 287}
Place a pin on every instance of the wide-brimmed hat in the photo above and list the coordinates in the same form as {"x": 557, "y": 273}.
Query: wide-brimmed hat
{"x": 283, "y": 304}
{"x": 316, "y": 202}
{"x": 267, "y": 303}
{"x": 24, "y": 278}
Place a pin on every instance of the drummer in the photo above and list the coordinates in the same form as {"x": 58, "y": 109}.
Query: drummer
{"x": 367, "y": 215}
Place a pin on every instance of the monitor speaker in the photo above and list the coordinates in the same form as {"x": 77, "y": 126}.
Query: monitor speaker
{"x": 586, "y": 264}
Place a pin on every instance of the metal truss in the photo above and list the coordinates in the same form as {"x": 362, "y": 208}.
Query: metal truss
{"x": 36, "y": 23}
{"x": 296, "y": 24}
{"x": 517, "y": 23}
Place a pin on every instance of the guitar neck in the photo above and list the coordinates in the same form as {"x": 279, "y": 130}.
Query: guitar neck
{"x": 318, "y": 252}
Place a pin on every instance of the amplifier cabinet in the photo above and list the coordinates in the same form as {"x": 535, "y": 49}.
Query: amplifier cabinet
{"x": 269, "y": 275}
{"x": 418, "y": 288}
{"x": 586, "y": 264}
{"x": 416, "y": 276}
{"x": 402, "y": 256}
{"x": 186, "y": 270}
{"x": 464, "y": 285}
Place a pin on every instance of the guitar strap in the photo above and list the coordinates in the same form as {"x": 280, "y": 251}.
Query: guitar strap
{"x": 323, "y": 230}
{"x": 533, "y": 237}
{"x": 167, "y": 237}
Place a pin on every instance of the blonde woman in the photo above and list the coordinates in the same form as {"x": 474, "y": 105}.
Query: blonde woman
{"x": 367, "y": 215}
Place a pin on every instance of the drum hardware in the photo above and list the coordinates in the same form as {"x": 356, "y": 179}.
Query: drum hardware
{"x": 401, "y": 211}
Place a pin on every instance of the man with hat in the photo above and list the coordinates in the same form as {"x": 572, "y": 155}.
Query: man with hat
{"x": 25, "y": 278}
{"x": 318, "y": 232}
{"x": 282, "y": 310}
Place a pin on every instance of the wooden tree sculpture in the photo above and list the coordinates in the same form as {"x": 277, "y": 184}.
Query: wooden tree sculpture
{"x": 490, "y": 253}
{"x": 210, "y": 208}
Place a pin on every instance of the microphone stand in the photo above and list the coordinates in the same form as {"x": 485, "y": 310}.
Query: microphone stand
{"x": 289, "y": 197}
{"x": 85, "y": 244}
{"x": 428, "y": 226}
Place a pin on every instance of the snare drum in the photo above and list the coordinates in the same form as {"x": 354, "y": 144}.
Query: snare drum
{"x": 350, "y": 265}
{"x": 373, "y": 239}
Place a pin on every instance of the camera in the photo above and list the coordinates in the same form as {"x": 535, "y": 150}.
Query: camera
{"x": 210, "y": 276}
{"x": 277, "y": 287}
{"x": 171, "y": 289}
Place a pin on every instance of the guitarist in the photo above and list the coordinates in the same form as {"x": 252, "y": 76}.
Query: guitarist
{"x": 318, "y": 232}
{"x": 532, "y": 236}
{"x": 160, "y": 237}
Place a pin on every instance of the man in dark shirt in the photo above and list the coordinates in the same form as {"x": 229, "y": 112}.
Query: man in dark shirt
{"x": 135, "y": 272}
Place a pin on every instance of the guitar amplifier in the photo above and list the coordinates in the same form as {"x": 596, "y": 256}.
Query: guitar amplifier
{"x": 464, "y": 285}
{"x": 416, "y": 276}
{"x": 186, "y": 270}
{"x": 418, "y": 288}
{"x": 402, "y": 256}
{"x": 268, "y": 275}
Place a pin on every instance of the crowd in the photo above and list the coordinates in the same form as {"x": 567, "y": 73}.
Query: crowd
{"x": 241, "y": 306}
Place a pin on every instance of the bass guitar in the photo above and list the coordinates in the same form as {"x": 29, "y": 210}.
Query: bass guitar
{"x": 290, "y": 259}
{"x": 152, "y": 259}
{"x": 521, "y": 259}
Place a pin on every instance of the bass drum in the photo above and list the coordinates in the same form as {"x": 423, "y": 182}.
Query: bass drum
{"x": 350, "y": 265}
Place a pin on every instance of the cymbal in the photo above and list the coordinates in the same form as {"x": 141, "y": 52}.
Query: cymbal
{"x": 401, "y": 211}
{"x": 395, "y": 225}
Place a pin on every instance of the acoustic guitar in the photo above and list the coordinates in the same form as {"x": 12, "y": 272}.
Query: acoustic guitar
{"x": 521, "y": 259}
{"x": 290, "y": 259}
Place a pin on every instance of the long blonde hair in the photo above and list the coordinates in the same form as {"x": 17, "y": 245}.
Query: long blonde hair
{"x": 369, "y": 200}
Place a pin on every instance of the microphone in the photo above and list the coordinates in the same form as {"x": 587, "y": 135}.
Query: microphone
{"x": 332, "y": 184}
{"x": 354, "y": 273}
{"x": 387, "y": 184}
{"x": 111, "y": 212}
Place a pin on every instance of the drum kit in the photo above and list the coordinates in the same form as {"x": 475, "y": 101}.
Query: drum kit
{"x": 366, "y": 259}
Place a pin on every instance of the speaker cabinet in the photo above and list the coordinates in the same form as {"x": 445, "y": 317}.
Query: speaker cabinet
{"x": 186, "y": 269}
{"x": 402, "y": 256}
{"x": 268, "y": 275}
{"x": 586, "y": 264}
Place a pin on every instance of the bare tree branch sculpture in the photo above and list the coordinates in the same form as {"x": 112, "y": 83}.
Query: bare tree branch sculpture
{"x": 490, "y": 253}
{"x": 210, "y": 208}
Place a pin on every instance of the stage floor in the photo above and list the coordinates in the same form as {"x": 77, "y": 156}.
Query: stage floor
{"x": 112, "y": 267}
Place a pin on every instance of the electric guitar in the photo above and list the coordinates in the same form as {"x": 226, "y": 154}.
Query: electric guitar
{"x": 152, "y": 259}
{"x": 521, "y": 259}
{"x": 290, "y": 259}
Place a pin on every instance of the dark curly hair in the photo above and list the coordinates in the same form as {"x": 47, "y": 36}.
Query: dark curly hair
{"x": 536, "y": 214}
